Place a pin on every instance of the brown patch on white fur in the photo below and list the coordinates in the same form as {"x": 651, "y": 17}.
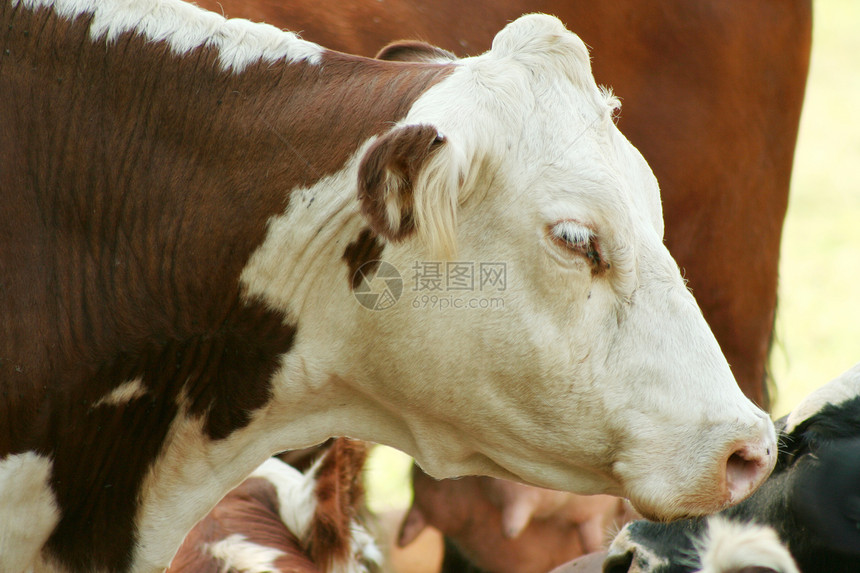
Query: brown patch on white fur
{"x": 126, "y": 159}
{"x": 365, "y": 249}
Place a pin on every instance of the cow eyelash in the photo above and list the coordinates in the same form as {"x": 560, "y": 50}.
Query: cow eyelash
{"x": 578, "y": 239}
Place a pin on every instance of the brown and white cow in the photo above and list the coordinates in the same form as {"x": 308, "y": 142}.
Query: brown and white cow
{"x": 283, "y": 520}
{"x": 188, "y": 202}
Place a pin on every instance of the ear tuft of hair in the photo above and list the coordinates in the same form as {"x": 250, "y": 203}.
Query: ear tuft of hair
{"x": 408, "y": 181}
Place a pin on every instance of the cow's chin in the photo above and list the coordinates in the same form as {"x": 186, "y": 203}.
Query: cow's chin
{"x": 576, "y": 479}
{"x": 679, "y": 505}
{"x": 652, "y": 502}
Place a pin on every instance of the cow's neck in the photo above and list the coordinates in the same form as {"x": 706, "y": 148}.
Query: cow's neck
{"x": 149, "y": 178}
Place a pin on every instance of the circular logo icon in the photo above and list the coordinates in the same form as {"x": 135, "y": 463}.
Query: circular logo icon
{"x": 378, "y": 285}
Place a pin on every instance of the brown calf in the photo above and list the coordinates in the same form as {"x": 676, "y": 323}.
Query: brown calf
{"x": 253, "y": 529}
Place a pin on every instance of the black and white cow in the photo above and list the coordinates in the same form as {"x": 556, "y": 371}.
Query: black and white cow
{"x": 806, "y": 516}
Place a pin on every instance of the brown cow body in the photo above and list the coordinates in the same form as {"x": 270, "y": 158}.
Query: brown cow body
{"x": 109, "y": 314}
{"x": 712, "y": 92}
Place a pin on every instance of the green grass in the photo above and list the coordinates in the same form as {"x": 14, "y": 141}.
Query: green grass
{"x": 818, "y": 321}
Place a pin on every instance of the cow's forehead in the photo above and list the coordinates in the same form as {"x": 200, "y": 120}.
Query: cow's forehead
{"x": 842, "y": 388}
{"x": 535, "y": 69}
{"x": 533, "y": 101}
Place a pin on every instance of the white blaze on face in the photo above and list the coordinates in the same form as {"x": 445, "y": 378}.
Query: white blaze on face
{"x": 28, "y": 509}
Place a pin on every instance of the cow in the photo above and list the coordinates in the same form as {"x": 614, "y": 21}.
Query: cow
{"x": 501, "y": 526}
{"x": 282, "y": 520}
{"x": 207, "y": 223}
{"x": 805, "y": 517}
{"x": 700, "y": 81}
{"x": 696, "y": 106}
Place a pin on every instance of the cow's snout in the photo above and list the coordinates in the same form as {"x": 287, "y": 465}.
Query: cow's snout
{"x": 748, "y": 464}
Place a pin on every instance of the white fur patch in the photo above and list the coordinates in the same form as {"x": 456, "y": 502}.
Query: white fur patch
{"x": 28, "y": 509}
{"x": 190, "y": 476}
{"x": 733, "y": 546}
{"x": 239, "y": 554}
{"x": 122, "y": 394}
{"x": 185, "y": 27}
{"x": 297, "y": 504}
{"x": 296, "y": 499}
{"x": 842, "y": 388}
{"x": 317, "y": 218}
{"x": 623, "y": 543}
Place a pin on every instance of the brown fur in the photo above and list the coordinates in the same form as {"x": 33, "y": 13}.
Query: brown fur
{"x": 712, "y": 92}
{"x": 135, "y": 186}
{"x": 340, "y": 496}
{"x": 252, "y": 510}
{"x": 367, "y": 248}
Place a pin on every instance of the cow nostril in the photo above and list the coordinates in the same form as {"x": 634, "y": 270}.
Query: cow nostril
{"x": 619, "y": 563}
{"x": 745, "y": 469}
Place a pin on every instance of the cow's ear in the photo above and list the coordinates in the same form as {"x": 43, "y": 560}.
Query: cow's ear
{"x": 408, "y": 182}
{"x": 414, "y": 51}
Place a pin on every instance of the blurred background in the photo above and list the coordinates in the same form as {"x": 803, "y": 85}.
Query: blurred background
{"x": 818, "y": 318}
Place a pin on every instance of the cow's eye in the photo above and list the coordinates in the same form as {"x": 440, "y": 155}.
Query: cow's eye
{"x": 580, "y": 240}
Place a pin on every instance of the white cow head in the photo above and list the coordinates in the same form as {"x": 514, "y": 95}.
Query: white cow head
{"x": 588, "y": 368}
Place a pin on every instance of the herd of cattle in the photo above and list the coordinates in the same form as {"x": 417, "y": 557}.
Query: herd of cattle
{"x": 188, "y": 199}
